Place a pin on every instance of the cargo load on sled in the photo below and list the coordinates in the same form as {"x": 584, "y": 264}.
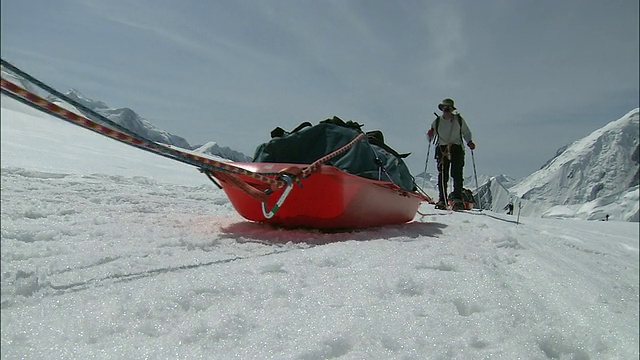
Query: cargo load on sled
{"x": 341, "y": 178}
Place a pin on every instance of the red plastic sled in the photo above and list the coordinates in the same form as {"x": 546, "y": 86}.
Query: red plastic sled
{"x": 329, "y": 199}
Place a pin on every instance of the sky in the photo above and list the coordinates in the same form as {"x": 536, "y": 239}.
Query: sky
{"x": 110, "y": 252}
{"x": 528, "y": 76}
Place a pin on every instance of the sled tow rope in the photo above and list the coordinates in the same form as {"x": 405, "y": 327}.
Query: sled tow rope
{"x": 223, "y": 170}
{"x": 18, "y": 93}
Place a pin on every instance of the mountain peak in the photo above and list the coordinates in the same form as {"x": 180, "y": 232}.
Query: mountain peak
{"x": 211, "y": 145}
{"x": 130, "y": 120}
{"x": 603, "y": 164}
{"x": 76, "y": 95}
{"x": 214, "y": 149}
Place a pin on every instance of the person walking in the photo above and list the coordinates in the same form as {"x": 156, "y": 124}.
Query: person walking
{"x": 450, "y": 131}
{"x": 509, "y": 208}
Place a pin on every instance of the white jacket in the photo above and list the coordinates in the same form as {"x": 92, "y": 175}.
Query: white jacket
{"x": 449, "y": 132}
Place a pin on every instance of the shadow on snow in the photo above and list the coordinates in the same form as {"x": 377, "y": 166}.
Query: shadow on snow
{"x": 257, "y": 232}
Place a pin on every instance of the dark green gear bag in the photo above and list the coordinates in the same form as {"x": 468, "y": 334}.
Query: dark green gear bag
{"x": 371, "y": 159}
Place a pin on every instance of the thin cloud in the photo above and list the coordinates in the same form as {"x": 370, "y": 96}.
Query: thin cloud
{"x": 446, "y": 42}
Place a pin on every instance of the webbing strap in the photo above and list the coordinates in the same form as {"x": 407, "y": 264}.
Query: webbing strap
{"x": 313, "y": 166}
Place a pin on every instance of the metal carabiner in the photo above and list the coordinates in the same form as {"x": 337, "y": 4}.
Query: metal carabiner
{"x": 269, "y": 214}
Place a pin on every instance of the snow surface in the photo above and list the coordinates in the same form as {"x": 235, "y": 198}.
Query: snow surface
{"x": 112, "y": 252}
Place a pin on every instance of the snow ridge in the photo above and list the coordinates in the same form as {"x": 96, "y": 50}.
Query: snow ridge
{"x": 213, "y": 148}
{"x": 128, "y": 119}
{"x": 588, "y": 179}
{"x": 601, "y": 164}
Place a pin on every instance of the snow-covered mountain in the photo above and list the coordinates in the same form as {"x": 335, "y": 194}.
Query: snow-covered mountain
{"x": 128, "y": 119}
{"x": 592, "y": 177}
{"x": 18, "y": 80}
{"x": 213, "y": 148}
{"x": 601, "y": 164}
{"x": 506, "y": 180}
{"x": 429, "y": 183}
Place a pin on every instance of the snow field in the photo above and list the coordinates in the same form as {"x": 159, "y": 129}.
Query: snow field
{"x": 115, "y": 255}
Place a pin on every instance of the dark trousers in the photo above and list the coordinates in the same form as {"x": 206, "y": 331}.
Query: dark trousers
{"x": 450, "y": 159}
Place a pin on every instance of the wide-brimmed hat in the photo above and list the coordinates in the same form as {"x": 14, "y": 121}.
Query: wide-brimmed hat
{"x": 446, "y": 102}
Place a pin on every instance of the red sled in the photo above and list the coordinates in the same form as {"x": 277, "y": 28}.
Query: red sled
{"x": 328, "y": 199}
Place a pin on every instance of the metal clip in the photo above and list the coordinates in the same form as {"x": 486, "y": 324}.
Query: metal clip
{"x": 269, "y": 214}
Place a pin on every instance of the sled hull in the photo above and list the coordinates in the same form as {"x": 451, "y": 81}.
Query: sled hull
{"x": 329, "y": 199}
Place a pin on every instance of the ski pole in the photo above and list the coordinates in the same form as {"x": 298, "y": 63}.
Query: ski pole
{"x": 424, "y": 176}
{"x": 426, "y": 162}
{"x": 475, "y": 174}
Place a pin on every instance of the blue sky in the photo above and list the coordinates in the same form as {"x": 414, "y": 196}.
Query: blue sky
{"x": 528, "y": 76}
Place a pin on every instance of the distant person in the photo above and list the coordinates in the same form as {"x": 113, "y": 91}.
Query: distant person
{"x": 606, "y": 218}
{"x": 509, "y": 208}
{"x": 450, "y": 131}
